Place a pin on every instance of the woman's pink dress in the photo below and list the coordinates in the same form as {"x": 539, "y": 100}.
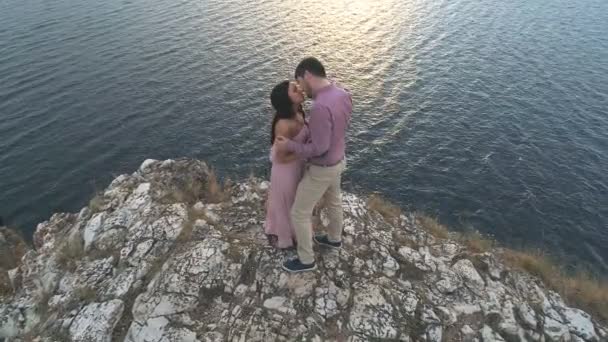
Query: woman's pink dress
{"x": 284, "y": 180}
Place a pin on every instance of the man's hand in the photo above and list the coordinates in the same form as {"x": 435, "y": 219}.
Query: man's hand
{"x": 281, "y": 143}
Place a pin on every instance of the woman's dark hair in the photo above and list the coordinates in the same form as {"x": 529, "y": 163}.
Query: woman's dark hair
{"x": 283, "y": 106}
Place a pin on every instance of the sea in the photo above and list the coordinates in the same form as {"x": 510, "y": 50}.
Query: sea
{"x": 491, "y": 115}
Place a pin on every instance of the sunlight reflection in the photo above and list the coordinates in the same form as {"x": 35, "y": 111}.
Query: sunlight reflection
{"x": 344, "y": 33}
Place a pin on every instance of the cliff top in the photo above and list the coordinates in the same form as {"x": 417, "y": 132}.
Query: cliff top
{"x": 167, "y": 254}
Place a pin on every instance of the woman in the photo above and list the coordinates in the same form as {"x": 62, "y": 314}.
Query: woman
{"x": 287, "y": 169}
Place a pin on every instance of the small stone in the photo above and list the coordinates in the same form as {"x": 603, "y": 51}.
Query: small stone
{"x": 142, "y": 189}
{"x": 84, "y": 212}
{"x": 469, "y": 274}
{"x": 489, "y": 335}
{"x": 265, "y": 185}
{"x": 65, "y": 324}
{"x": 527, "y": 316}
{"x": 533, "y": 336}
{"x": 390, "y": 266}
{"x": 467, "y": 333}
{"x": 603, "y": 333}
{"x": 358, "y": 265}
{"x": 92, "y": 229}
{"x": 466, "y": 309}
{"x": 447, "y": 317}
{"x": 199, "y": 207}
{"x": 429, "y": 317}
{"x": 508, "y": 326}
{"x": 434, "y": 333}
{"x": 167, "y": 163}
{"x": 277, "y": 303}
{"x": 12, "y": 276}
{"x": 371, "y": 314}
{"x": 556, "y": 331}
{"x": 96, "y": 321}
{"x": 448, "y": 284}
{"x": 146, "y": 164}
{"x": 240, "y": 290}
{"x": 212, "y": 336}
{"x": 212, "y": 216}
{"x": 409, "y": 302}
{"x": 579, "y": 324}
{"x": 405, "y": 284}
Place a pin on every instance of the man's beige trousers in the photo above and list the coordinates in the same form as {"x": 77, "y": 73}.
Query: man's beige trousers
{"x": 317, "y": 181}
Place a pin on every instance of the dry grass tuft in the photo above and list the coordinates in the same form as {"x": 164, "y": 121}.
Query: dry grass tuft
{"x": 70, "y": 252}
{"x": 432, "y": 226}
{"x": 12, "y": 248}
{"x": 191, "y": 189}
{"x": 388, "y": 210}
{"x": 476, "y": 242}
{"x": 185, "y": 234}
{"x": 155, "y": 267}
{"x": 579, "y": 289}
{"x": 188, "y": 191}
{"x": 533, "y": 262}
{"x": 587, "y": 292}
{"x": 96, "y": 203}
{"x": 6, "y": 288}
{"x": 252, "y": 178}
{"x": 215, "y": 191}
{"x": 85, "y": 294}
{"x": 402, "y": 239}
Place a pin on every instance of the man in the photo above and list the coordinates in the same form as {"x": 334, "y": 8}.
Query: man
{"x": 329, "y": 119}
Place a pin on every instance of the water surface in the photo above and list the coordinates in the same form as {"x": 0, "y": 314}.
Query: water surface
{"x": 490, "y": 114}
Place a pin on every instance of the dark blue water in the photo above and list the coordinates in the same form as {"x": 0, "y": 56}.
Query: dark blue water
{"x": 491, "y": 114}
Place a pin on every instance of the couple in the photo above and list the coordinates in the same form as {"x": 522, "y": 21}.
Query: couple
{"x": 308, "y": 157}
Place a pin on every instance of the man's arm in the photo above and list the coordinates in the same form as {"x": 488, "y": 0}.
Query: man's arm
{"x": 320, "y": 134}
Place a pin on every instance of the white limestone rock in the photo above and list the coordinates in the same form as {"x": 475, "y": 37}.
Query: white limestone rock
{"x": 96, "y": 321}
{"x": 92, "y": 229}
{"x": 448, "y": 283}
{"x": 280, "y": 304}
{"x": 372, "y": 314}
{"x": 465, "y": 269}
{"x": 489, "y": 335}
{"x": 467, "y": 333}
{"x": 527, "y": 316}
{"x": 188, "y": 278}
{"x": 434, "y": 333}
{"x": 579, "y": 323}
{"x": 390, "y": 266}
{"x": 147, "y": 164}
{"x": 556, "y": 331}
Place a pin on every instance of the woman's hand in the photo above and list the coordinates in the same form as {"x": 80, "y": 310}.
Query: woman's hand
{"x": 280, "y": 143}
{"x": 283, "y": 157}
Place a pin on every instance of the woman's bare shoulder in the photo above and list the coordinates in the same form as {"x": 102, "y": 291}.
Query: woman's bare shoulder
{"x": 283, "y": 127}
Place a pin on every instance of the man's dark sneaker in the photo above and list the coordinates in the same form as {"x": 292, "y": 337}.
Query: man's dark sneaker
{"x": 324, "y": 241}
{"x": 296, "y": 266}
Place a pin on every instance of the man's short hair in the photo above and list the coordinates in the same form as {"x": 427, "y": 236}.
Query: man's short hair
{"x": 312, "y": 65}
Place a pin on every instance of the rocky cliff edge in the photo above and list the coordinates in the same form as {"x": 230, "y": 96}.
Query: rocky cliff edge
{"x": 165, "y": 254}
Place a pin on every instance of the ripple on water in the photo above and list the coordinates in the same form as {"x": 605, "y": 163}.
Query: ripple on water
{"x": 487, "y": 114}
